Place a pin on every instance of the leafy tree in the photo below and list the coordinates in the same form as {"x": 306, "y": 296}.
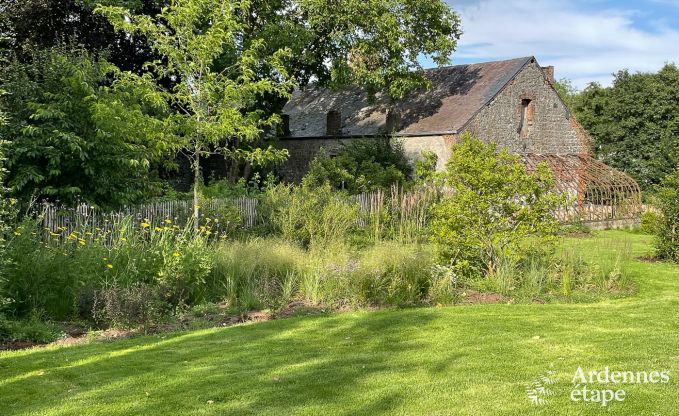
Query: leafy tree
{"x": 373, "y": 43}
{"x": 667, "y": 231}
{"x": 360, "y": 166}
{"x": 635, "y": 122}
{"x": 494, "y": 210}
{"x": 216, "y": 108}
{"x": 79, "y": 130}
{"x": 7, "y": 210}
{"x": 29, "y": 25}
{"x": 567, "y": 92}
{"x": 425, "y": 170}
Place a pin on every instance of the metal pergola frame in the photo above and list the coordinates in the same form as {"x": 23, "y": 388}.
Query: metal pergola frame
{"x": 596, "y": 191}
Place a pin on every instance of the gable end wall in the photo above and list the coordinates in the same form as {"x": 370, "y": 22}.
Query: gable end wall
{"x": 553, "y": 130}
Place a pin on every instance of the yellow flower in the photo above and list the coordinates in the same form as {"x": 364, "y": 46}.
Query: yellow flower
{"x": 81, "y": 241}
{"x": 123, "y": 239}
{"x": 167, "y": 221}
{"x": 176, "y": 254}
{"x": 158, "y": 229}
{"x": 17, "y": 233}
{"x": 145, "y": 224}
{"x": 110, "y": 266}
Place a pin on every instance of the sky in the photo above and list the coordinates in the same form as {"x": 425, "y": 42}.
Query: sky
{"x": 585, "y": 41}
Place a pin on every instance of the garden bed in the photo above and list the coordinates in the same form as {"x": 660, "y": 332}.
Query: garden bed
{"x": 462, "y": 360}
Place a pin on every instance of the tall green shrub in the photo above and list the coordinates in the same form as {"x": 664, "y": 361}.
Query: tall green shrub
{"x": 80, "y": 130}
{"x": 6, "y": 216}
{"x": 667, "y": 230}
{"x": 360, "y": 166}
{"x": 495, "y": 210}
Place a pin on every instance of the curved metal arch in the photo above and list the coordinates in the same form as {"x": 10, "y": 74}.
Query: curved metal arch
{"x": 597, "y": 191}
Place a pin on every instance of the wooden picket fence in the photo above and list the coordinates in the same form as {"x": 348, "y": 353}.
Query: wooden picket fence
{"x": 403, "y": 214}
{"x": 408, "y": 208}
{"x": 65, "y": 220}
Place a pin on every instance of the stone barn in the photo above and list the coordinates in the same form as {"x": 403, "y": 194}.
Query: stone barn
{"x": 512, "y": 103}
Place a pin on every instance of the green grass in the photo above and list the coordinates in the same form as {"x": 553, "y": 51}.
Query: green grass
{"x": 437, "y": 361}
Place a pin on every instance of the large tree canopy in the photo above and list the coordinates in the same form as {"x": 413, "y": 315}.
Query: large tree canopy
{"x": 79, "y": 130}
{"x": 216, "y": 104}
{"x": 635, "y": 122}
{"x": 28, "y": 25}
{"x": 60, "y": 127}
{"x": 373, "y": 43}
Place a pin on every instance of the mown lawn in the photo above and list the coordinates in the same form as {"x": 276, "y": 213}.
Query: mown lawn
{"x": 438, "y": 361}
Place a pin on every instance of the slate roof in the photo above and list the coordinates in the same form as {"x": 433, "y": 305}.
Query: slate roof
{"x": 457, "y": 93}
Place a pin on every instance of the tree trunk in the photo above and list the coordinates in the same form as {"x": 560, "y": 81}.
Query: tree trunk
{"x": 196, "y": 180}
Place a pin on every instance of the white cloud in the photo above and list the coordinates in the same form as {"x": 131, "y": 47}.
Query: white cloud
{"x": 583, "y": 45}
{"x": 672, "y": 3}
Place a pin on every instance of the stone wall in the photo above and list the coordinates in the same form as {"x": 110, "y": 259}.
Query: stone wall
{"x": 440, "y": 145}
{"x": 552, "y": 131}
{"x": 304, "y": 150}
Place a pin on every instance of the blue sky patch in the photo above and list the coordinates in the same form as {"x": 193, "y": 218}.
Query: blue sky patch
{"x": 586, "y": 41}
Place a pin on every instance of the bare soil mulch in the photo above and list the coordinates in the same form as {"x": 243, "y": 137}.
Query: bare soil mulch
{"x": 78, "y": 335}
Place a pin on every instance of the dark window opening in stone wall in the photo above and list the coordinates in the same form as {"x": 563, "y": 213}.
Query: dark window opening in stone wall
{"x": 527, "y": 116}
{"x": 334, "y": 123}
{"x": 285, "y": 124}
{"x": 393, "y": 121}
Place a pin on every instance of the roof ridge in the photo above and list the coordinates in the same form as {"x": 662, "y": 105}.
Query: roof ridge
{"x": 522, "y": 58}
{"x": 458, "y": 94}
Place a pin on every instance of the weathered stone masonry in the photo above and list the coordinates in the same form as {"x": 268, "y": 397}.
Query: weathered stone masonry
{"x": 553, "y": 130}
{"x": 510, "y": 102}
{"x": 303, "y": 151}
